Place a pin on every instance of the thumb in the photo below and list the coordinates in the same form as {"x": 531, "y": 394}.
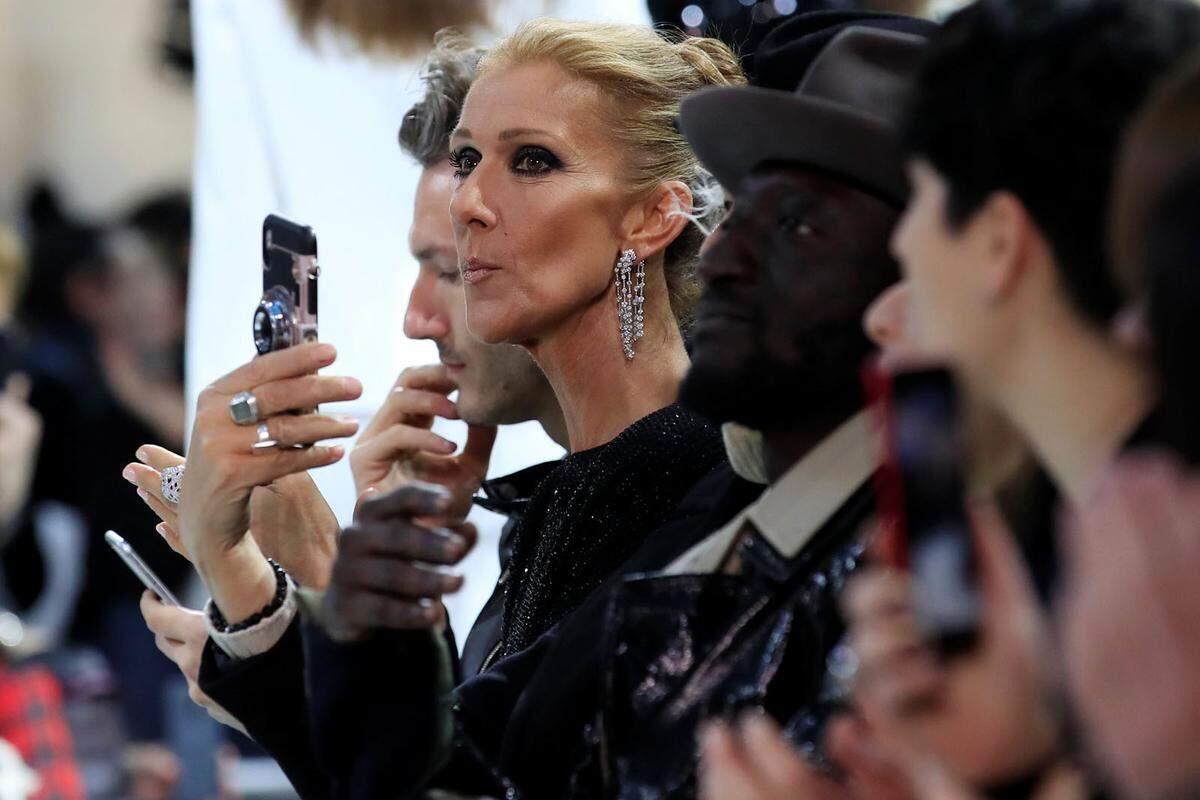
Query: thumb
{"x": 477, "y": 452}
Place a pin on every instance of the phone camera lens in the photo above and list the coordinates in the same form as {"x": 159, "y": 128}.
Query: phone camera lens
{"x": 274, "y": 328}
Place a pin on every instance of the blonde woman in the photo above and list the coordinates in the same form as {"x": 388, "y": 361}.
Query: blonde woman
{"x": 574, "y": 217}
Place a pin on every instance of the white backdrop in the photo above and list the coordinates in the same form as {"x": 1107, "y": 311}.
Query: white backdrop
{"x": 311, "y": 134}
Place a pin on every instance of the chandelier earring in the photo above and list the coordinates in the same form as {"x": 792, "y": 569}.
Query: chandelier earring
{"x": 631, "y": 298}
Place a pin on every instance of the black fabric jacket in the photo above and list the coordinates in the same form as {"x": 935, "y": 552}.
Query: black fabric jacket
{"x": 266, "y": 693}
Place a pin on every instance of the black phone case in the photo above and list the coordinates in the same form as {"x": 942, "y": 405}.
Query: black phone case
{"x": 282, "y": 239}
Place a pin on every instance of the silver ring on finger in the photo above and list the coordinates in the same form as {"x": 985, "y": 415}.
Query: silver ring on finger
{"x": 243, "y": 408}
{"x": 172, "y": 484}
{"x": 265, "y": 442}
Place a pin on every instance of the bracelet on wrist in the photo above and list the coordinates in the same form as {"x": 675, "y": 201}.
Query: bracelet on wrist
{"x": 221, "y": 625}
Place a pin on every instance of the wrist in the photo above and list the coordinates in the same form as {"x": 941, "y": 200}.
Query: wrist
{"x": 221, "y": 625}
{"x": 240, "y": 579}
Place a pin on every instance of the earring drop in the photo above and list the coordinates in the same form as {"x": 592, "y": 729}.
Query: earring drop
{"x": 631, "y": 299}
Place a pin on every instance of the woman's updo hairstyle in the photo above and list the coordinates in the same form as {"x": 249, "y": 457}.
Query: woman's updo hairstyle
{"x": 646, "y": 73}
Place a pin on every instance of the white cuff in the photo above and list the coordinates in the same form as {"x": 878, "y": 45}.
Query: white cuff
{"x": 259, "y": 637}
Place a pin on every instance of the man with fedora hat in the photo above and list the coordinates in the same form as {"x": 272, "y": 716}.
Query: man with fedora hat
{"x": 747, "y": 617}
{"x": 744, "y": 614}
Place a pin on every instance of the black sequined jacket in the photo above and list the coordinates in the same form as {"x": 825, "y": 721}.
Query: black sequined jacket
{"x": 594, "y": 511}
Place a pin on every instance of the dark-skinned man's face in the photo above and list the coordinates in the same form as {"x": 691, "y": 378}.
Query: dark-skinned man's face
{"x": 778, "y": 336}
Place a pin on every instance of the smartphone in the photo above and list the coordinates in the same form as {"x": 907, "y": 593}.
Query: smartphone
{"x": 921, "y": 498}
{"x": 146, "y": 575}
{"x": 287, "y": 313}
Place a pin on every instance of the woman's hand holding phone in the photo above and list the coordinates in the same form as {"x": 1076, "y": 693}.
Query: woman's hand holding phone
{"x": 224, "y": 467}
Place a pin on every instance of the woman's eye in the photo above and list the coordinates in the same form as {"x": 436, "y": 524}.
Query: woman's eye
{"x": 534, "y": 161}
{"x": 464, "y": 161}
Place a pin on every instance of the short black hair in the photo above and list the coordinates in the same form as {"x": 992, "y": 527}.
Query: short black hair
{"x": 1032, "y": 97}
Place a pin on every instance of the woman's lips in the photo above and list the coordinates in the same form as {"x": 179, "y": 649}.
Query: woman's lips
{"x": 475, "y": 270}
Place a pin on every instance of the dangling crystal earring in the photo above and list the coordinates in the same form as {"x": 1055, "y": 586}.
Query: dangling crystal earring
{"x": 631, "y": 297}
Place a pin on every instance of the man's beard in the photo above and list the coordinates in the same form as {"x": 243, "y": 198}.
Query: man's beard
{"x": 820, "y": 382}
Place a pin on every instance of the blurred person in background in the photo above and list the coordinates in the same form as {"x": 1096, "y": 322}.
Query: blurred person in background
{"x": 105, "y": 320}
{"x": 34, "y": 723}
{"x": 32, "y": 718}
{"x": 1028, "y": 327}
{"x": 1159, "y": 150}
{"x": 1131, "y": 651}
{"x": 20, "y": 424}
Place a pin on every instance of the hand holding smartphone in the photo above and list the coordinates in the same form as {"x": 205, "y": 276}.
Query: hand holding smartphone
{"x": 139, "y": 567}
{"x": 922, "y": 500}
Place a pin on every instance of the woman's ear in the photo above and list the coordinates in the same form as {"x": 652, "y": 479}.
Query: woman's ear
{"x": 656, "y": 222}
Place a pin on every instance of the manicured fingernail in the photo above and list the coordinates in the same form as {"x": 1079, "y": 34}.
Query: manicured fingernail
{"x": 449, "y": 446}
{"x": 352, "y": 385}
{"x": 162, "y": 529}
{"x": 346, "y": 419}
{"x": 141, "y": 455}
{"x": 336, "y": 452}
{"x": 326, "y": 353}
{"x": 129, "y": 475}
{"x": 142, "y": 494}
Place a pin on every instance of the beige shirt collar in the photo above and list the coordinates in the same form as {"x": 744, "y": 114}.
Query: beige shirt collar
{"x": 794, "y": 508}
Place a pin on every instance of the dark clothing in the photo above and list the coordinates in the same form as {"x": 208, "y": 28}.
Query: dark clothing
{"x": 509, "y": 496}
{"x": 88, "y": 437}
{"x": 612, "y": 705}
{"x": 593, "y": 512}
{"x": 632, "y": 485}
{"x": 688, "y": 647}
{"x": 266, "y": 693}
{"x": 536, "y": 707}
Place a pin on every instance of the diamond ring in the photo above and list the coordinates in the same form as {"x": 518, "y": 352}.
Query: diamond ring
{"x": 172, "y": 483}
{"x": 243, "y": 407}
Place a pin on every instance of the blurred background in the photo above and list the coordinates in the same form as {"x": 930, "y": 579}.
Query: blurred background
{"x": 141, "y": 144}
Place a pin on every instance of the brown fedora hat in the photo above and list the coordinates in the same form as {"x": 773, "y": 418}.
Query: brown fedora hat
{"x": 841, "y": 119}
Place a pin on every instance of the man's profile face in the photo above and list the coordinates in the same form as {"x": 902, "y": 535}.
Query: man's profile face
{"x": 786, "y": 282}
{"x": 497, "y": 384}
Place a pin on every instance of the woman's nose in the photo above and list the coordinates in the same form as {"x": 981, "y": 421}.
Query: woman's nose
{"x": 467, "y": 206}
